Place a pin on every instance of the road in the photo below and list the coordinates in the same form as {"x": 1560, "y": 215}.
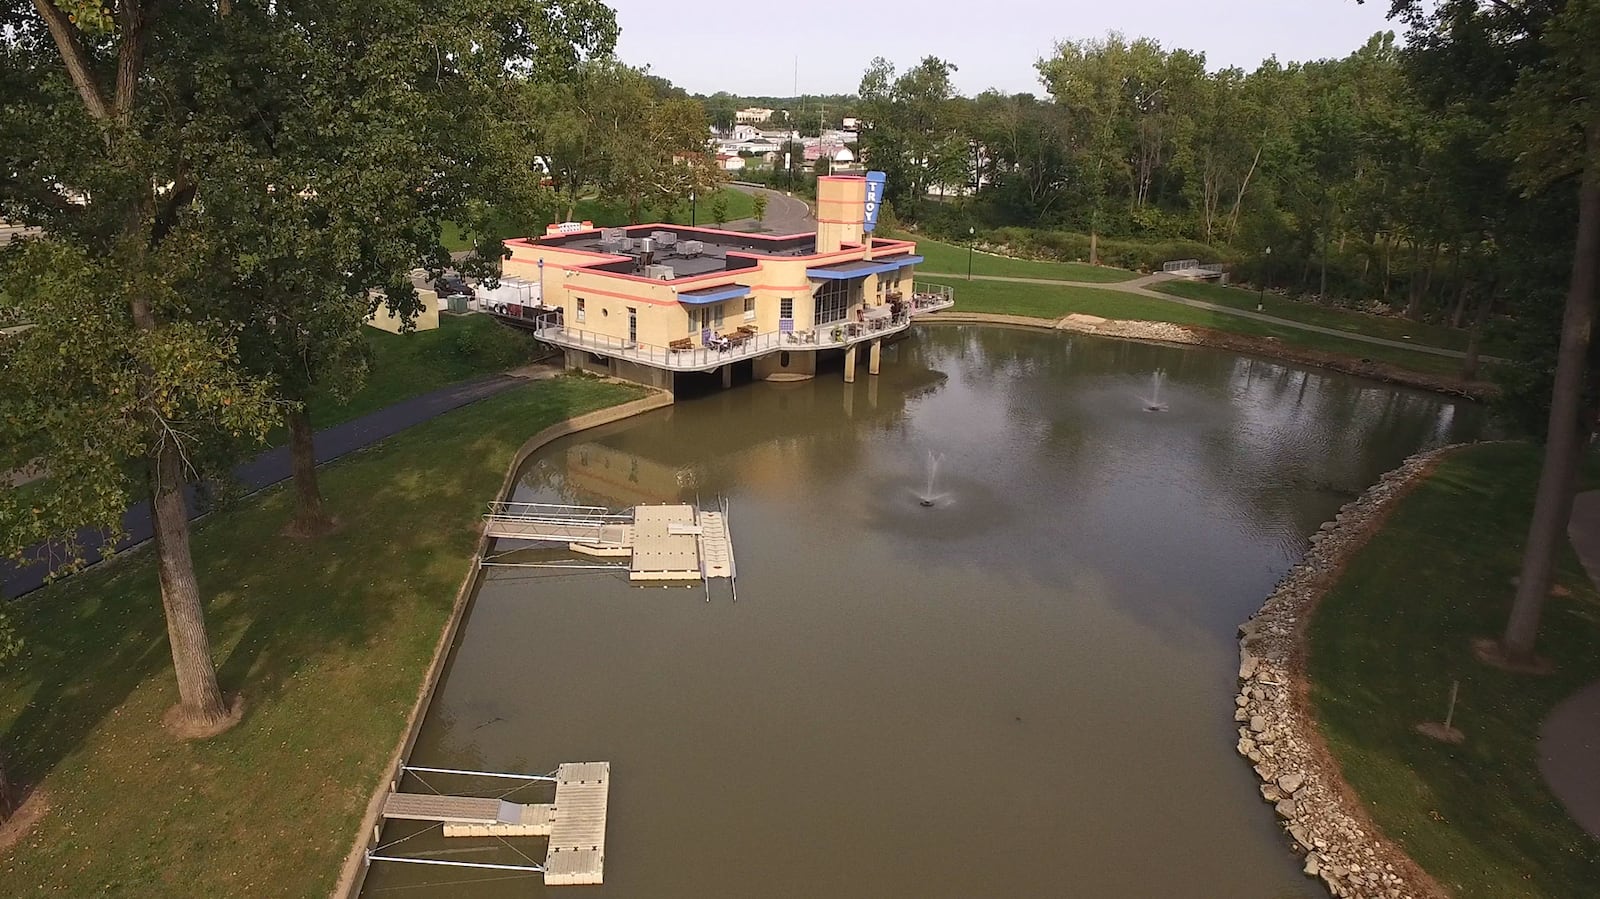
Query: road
{"x": 1140, "y": 287}
{"x": 785, "y": 214}
{"x": 269, "y": 468}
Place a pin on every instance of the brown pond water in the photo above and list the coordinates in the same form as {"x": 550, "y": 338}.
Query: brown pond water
{"x": 1025, "y": 690}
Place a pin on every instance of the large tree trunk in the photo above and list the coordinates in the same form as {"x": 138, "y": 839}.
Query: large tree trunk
{"x": 1414, "y": 301}
{"x": 310, "y": 518}
{"x": 199, "y": 698}
{"x": 1564, "y": 441}
{"x": 1480, "y": 318}
{"x": 7, "y": 801}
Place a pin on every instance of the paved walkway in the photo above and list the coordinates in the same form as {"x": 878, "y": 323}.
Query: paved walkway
{"x": 1140, "y": 286}
{"x": 269, "y": 468}
{"x": 1569, "y": 741}
{"x": 785, "y": 214}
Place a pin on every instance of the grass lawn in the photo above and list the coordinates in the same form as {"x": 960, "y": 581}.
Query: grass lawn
{"x": 1387, "y": 327}
{"x": 1392, "y": 635}
{"x": 944, "y": 257}
{"x": 1048, "y": 301}
{"x": 406, "y": 365}
{"x": 328, "y": 642}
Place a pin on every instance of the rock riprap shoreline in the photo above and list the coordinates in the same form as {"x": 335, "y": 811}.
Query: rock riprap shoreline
{"x": 1278, "y": 734}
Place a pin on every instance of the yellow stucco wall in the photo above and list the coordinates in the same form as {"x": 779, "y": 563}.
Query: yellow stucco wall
{"x": 661, "y": 318}
{"x": 427, "y": 317}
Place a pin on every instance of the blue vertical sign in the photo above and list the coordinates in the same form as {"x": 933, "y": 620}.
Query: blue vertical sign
{"x": 874, "y": 200}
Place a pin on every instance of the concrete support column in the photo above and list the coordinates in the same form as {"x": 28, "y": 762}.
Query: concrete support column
{"x": 850, "y": 364}
{"x": 875, "y": 356}
{"x": 727, "y": 376}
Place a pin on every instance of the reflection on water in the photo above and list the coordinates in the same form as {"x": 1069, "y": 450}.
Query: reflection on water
{"x": 1024, "y": 690}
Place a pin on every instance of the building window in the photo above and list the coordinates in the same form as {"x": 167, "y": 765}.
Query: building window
{"x": 786, "y": 308}
{"x": 833, "y": 302}
{"x": 718, "y": 316}
{"x": 580, "y": 315}
{"x": 749, "y": 309}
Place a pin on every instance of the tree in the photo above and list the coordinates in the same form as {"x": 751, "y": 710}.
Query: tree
{"x": 910, "y": 120}
{"x": 134, "y": 138}
{"x": 123, "y": 379}
{"x": 758, "y": 204}
{"x": 1535, "y": 65}
{"x": 719, "y": 209}
{"x": 327, "y": 209}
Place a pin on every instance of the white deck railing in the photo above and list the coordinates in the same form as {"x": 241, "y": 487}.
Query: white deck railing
{"x": 705, "y": 358}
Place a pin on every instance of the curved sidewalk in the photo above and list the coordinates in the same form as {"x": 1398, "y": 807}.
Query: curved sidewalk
{"x": 1138, "y": 286}
{"x": 267, "y": 469}
{"x": 1569, "y": 739}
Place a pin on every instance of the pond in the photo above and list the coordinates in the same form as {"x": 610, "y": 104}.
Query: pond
{"x": 1023, "y": 689}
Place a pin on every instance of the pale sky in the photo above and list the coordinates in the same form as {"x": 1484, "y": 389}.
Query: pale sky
{"x": 750, "y": 48}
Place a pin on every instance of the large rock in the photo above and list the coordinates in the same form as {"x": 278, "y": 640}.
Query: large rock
{"x": 1286, "y": 809}
{"x": 1258, "y": 724}
{"x": 1292, "y": 782}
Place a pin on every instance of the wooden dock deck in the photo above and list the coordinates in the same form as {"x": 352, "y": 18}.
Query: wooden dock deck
{"x": 577, "y": 852}
{"x": 575, "y": 822}
{"x": 665, "y": 544}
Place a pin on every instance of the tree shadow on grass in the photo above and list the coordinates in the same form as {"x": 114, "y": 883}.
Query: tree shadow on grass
{"x": 275, "y": 607}
{"x": 88, "y": 649}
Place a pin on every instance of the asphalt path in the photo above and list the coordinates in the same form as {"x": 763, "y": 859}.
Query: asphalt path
{"x": 1569, "y": 739}
{"x": 785, "y": 214}
{"x": 263, "y": 471}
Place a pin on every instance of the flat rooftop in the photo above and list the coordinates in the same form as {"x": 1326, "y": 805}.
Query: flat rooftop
{"x": 711, "y": 256}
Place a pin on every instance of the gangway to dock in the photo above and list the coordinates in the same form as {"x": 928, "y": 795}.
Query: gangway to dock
{"x": 574, "y": 824}
{"x": 663, "y": 543}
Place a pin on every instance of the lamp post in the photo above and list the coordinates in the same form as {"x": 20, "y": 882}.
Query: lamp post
{"x": 1261, "y": 298}
{"x": 691, "y": 207}
{"x": 972, "y": 238}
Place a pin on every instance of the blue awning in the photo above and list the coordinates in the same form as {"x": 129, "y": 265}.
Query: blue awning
{"x": 846, "y": 271}
{"x": 714, "y": 294}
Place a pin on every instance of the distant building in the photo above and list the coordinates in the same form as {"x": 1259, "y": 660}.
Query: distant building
{"x": 851, "y": 123}
{"x": 729, "y": 162}
{"x": 753, "y": 115}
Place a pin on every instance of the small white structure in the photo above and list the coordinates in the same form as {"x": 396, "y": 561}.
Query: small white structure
{"x": 427, "y": 316}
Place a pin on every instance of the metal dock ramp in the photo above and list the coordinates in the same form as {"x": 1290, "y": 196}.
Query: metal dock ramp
{"x": 575, "y": 823}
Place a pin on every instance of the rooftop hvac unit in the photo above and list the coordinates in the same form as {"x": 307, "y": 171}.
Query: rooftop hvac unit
{"x": 664, "y": 239}
{"x": 691, "y": 248}
{"x": 658, "y": 272}
{"x": 613, "y": 245}
{"x": 645, "y": 245}
{"x": 613, "y": 233}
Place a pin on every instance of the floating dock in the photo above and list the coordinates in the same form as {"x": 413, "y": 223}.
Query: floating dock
{"x": 575, "y": 823}
{"x": 663, "y": 543}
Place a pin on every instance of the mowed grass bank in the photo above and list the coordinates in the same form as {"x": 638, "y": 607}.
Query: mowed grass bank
{"x": 401, "y": 366}
{"x": 328, "y": 642}
{"x": 952, "y": 259}
{"x": 1392, "y": 635}
{"x": 1052, "y": 302}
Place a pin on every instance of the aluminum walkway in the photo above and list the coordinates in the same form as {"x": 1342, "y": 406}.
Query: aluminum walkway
{"x": 575, "y": 822}
{"x": 668, "y": 542}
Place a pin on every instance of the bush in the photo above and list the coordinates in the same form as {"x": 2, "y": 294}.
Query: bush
{"x": 1072, "y": 246}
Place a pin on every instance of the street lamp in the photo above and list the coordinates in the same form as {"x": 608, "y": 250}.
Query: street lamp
{"x": 691, "y": 207}
{"x": 972, "y": 238}
{"x": 1261, "y": 298}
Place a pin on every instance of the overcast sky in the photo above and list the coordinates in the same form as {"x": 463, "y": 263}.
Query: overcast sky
{"x": 750, "y": 48}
